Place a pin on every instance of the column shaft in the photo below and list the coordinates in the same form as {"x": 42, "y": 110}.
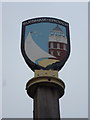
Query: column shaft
{"x": 46, "y": 103}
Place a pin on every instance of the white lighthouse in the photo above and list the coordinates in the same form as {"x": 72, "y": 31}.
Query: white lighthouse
{"x": 57, "y": 43}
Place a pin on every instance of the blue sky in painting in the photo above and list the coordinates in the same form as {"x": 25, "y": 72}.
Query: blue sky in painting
{"x": 40, "y": 33}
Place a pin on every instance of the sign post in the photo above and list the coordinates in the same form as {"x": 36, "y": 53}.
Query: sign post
{"x": 45, "y": 46}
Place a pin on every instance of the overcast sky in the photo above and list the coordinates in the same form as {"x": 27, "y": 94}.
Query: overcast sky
{"x": 16, "y": 103}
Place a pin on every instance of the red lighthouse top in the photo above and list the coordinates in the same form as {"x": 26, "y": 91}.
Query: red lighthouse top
{"x": 58, "y": 29}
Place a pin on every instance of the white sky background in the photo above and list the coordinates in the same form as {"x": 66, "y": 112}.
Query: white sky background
{"x": 16, "y": 103}
{"x": 0, "y": 60}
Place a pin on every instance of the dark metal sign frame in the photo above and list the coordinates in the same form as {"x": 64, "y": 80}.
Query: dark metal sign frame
{"x": 31, "y": 64}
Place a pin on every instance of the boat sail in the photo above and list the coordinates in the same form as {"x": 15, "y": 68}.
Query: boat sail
{"x": 33, "y": 51}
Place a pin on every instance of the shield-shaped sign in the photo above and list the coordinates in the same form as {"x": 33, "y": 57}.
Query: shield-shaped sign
{"x": 45, "y": 43}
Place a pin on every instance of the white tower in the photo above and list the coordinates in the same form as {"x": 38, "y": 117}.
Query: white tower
{"x": 57, "y": 43}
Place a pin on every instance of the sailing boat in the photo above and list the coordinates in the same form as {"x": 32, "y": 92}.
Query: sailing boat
{"x": 34, "y": 52}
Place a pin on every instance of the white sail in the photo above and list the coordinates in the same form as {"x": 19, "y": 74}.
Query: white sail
{"x": 33, "y": 51}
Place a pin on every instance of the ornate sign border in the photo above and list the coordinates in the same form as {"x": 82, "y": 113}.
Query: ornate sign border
{"x": 54, "y": 66}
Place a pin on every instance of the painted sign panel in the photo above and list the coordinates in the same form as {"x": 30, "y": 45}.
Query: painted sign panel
{"x": 45, "y": 43}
